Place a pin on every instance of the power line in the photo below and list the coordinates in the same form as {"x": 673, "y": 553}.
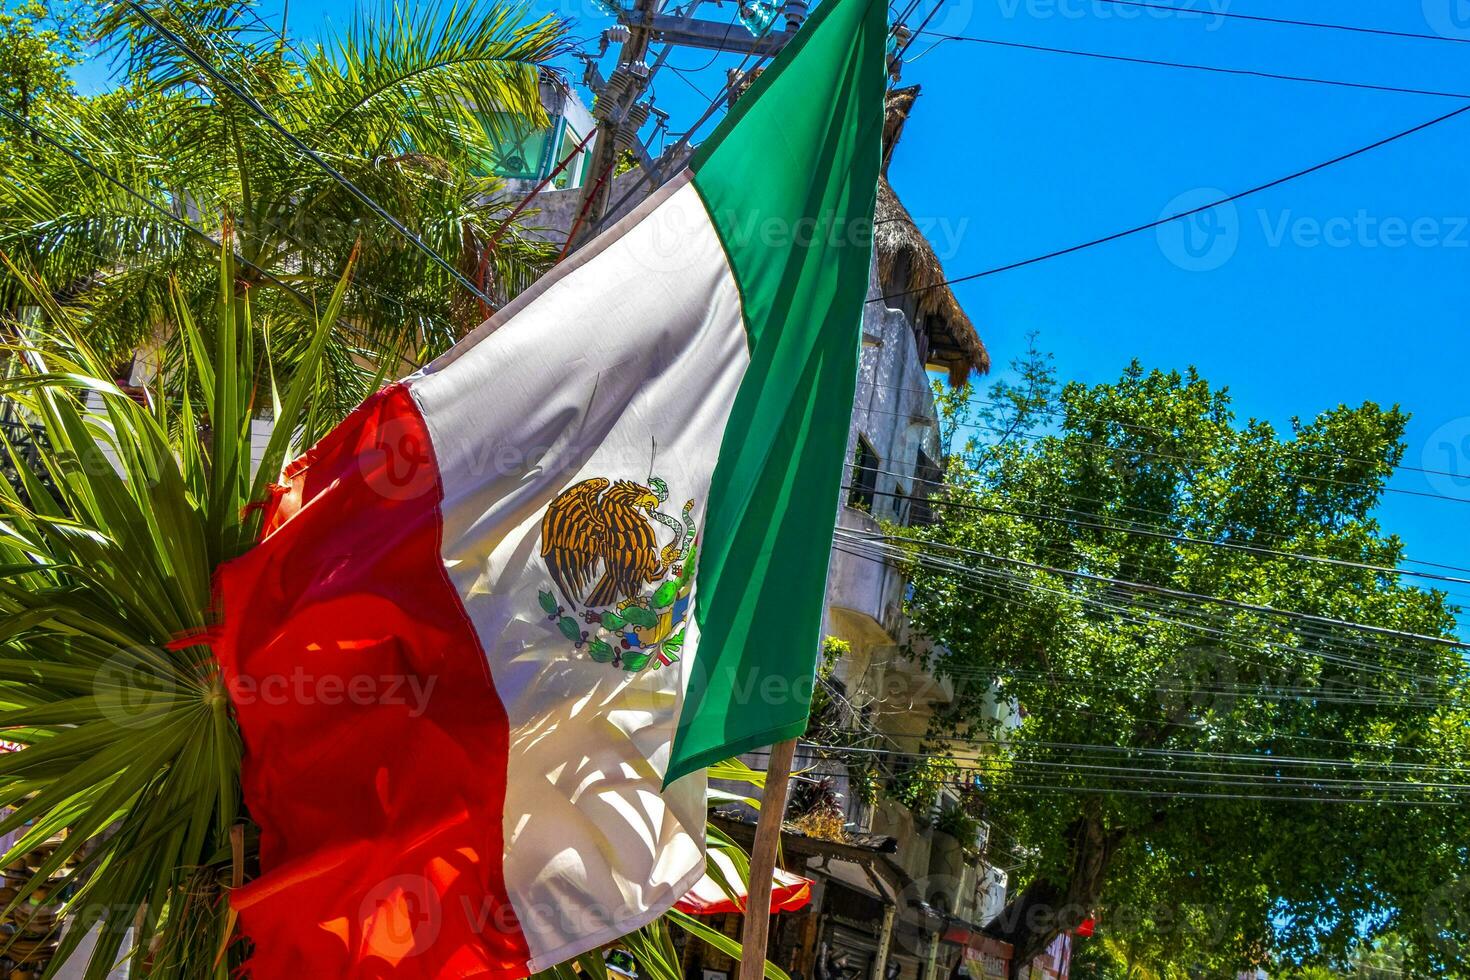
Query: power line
{"x": 672, "y": 153}
{"x": 1105, "y": 749}
{"x": 898, "y": 55}
{"x": 1283, "y": 797}
{"x": 1033, "y": 768}
{"x": 1242, "y": 690}
{"x": 976, "y": 579}
{"x": 1163, "y": 567}
{"x": 1249, "y": 733}
{"x": 1138, "y": 427}
{"x": 1144, "y": 528}
{"x": 141, "y": 198}
{"x": 311, "y": 154}
{"x": 908, "y": 11}
{"x": 1182, "y": 214}
{"x": 679, "y": 73}
{"x": 1262, "y": 797}
{"x": 1177, "y": 537}
{"x": 912, "y": 552}
{"x": 1003, "y": 764}
{"x": 1152, "y": 454}
{"x": 1167, "y": 754}
{"x": 1155, "y": 567}
{"x": 1249, "y": 72}
{"x": 1220, "y": 600}
{"x": 1137, "y": 607}
{"x": 1189, "y": 757}
{"x": 287, "y": 43}
{"x": 974, "y": 576}
{"x": 1294, "y": 23}
{"x": 732, "y": 79}
{"x": 957, "y": 769}
{"x": 1309, "y": 631}
{"x": 1277, "y": 536}
{"x": 719, "y": 49}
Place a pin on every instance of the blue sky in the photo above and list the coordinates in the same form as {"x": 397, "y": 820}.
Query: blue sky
{"x": 1349, "y": 285}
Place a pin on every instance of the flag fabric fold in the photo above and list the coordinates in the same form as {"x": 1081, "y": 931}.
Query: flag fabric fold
{"x": 789, "y": 892}
{"x": 502, "y": 616}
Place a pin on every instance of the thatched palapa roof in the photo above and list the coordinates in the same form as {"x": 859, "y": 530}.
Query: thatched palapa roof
{"x": 907, "y": 264}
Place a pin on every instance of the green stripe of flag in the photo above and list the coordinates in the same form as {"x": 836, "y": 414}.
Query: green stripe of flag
{"x": 789, "y": 180}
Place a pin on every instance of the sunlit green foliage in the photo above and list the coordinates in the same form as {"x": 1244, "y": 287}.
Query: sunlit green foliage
{"x": 390, "y": 104}
{"x": 1078, "y": 532}
{"x": 108, "y": 541}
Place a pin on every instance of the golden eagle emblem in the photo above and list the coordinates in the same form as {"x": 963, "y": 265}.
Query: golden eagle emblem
{"x": 600, "y": 542}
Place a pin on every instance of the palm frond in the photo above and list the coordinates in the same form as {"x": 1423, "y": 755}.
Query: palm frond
{"x": 107, "y": 552}
{"x": 431, "y": 78}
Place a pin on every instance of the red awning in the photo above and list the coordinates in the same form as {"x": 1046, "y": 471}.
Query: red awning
{"x": 789, "y": 892}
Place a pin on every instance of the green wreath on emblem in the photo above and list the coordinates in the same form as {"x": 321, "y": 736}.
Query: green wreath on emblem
{"x": 623, "y": 598}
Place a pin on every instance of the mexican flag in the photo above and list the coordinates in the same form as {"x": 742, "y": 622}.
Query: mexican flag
{"x": 503, "y": 617}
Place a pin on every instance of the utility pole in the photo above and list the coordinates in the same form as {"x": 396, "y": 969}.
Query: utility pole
{"x": 619, "y": 111}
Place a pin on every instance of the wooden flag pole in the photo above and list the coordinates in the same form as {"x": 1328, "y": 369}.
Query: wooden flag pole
{"x": 763, "y": 862}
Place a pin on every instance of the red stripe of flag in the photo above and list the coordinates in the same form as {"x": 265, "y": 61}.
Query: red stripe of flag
{"x": 375, "y": 742}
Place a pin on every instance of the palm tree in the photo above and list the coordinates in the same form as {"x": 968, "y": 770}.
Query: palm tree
{"x": 405, "y": 105}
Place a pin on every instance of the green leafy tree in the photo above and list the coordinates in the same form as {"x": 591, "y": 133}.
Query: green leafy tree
{"x": 1384, "y": 958}
{"x": 1169, "y": 748}
{"x": 404, "y": 104}
{"x": 39, "y": 43}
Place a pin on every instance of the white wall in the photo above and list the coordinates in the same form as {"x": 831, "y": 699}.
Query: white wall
{"x": 893, "y": 409}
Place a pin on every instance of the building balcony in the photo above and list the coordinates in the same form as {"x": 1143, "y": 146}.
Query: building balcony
{"x": 864, "y": 594}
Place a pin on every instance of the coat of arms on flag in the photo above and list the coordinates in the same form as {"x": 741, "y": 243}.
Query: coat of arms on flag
{"x": 600, "y": 543}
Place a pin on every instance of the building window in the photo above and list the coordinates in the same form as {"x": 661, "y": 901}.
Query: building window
{"x": 927, "y": 478}
{"x": 864, "y": 477}
{"x": 901, "y": 502}
{"x": 517, "y": 151}
{"x": 572, "y": 171}
{"x": 921, "y": 337}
